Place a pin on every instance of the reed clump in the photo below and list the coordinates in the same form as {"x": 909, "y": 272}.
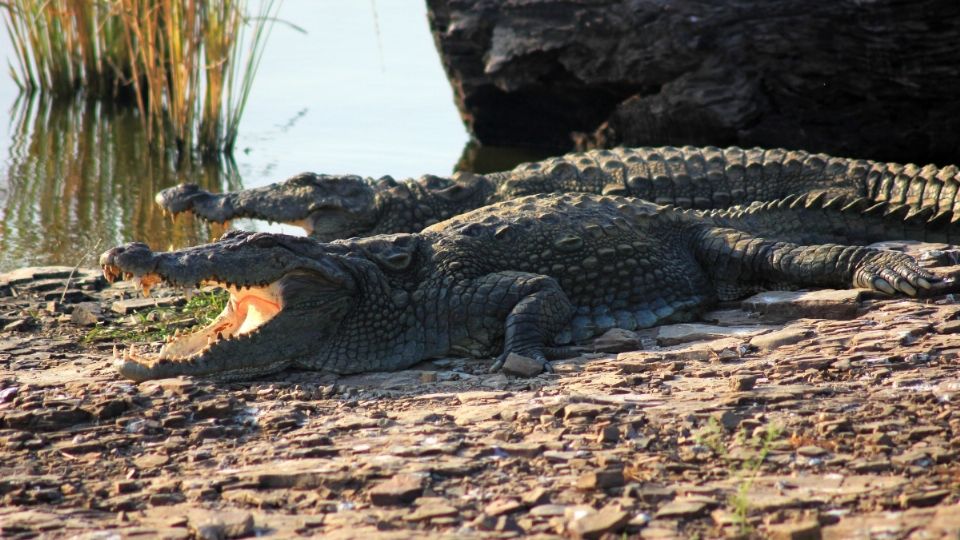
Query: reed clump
{"x": 188, "y": 65}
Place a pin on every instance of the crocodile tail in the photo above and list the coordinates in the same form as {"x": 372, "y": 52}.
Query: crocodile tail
{"x": 688, "y": 177}
{"x": 917, "y": 187}
{"x": 823, "y": 218}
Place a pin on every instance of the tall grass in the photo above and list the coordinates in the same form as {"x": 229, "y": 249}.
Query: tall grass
{"x": 188, "y": 65}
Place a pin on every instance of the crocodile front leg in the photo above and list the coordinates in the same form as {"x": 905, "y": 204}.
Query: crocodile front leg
{"x": 526, "y": 310}
{"x": 737, "y": 260}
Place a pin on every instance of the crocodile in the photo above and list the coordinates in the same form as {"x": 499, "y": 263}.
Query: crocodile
{"x": 331, "y": 206}
{"x": 531, "y": 276}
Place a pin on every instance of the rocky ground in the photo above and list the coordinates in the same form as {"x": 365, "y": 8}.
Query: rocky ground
{"x": 790, "y": 415}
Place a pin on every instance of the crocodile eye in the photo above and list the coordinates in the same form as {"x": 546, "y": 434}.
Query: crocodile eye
{"x": 263, "y": 241}
{"x": 396, "y": 261}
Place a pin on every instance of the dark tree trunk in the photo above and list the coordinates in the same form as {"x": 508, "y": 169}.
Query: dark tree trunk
{"x": 859, "y": 78}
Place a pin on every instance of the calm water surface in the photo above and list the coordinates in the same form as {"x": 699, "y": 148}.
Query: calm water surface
{"x": 362, "y": 92}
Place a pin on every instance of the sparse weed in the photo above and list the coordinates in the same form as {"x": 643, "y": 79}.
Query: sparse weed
{"x": 711, "y": 436}
{"x": 159, "y": 323}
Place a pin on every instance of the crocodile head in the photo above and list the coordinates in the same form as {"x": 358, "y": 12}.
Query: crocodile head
{"x": 286, "y": 293}
{"x": 326, "y": 206}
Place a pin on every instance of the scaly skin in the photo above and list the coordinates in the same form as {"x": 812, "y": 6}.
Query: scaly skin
{"x": 520, "y": 276}
{"x": 332, "y": 207}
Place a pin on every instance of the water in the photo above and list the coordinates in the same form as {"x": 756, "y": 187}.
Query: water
{"x": 363, "y": 92}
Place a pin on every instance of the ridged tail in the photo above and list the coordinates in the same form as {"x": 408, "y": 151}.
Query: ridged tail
{"x": 821, "y": 218}
{"x": 710, "y": 177}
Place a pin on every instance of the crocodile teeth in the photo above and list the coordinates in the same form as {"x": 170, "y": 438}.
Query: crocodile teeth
{"x": 116, "y": 352}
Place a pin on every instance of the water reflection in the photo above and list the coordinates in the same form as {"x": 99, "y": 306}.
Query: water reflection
{"x": 81, "y": 177}
{"x": 481, "y": 159}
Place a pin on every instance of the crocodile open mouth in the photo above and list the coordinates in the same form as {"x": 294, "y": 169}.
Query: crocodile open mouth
{"x": 248, "y": 309}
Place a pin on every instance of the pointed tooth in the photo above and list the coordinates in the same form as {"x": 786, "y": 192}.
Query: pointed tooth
{"x": 116, "y": 352}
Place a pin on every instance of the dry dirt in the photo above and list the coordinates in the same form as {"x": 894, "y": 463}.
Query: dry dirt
{"x": 840, "y": 422}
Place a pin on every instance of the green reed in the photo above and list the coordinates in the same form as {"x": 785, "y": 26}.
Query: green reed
{"x": 188, "y": 65}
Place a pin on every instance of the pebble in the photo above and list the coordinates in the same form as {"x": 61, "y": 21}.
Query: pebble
{"x": 777, "y": 306}
{"x": 430, "y": 511}
{"x": 675, "y": 334}
{"x": 775, "y": 340}
{"x": 617, "y": 340}
{"x": 597, "y": 524}
{"x": 401, "y": 489}
{"x": 522, "y": 366}
{"x": 743, "y": 383}
{"x": 807, "y": 530}
{"x": 130, "y": 305}
{"x": 681, "y": 509}
{"x": 812, "y": 451}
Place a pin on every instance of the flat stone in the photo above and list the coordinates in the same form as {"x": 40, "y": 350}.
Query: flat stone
{"x": 18, "y": 325}
{"x": 617, "y": 340}
{"x": 529, "y": 450}
{"x": 682, "y": 509}
{"x": 812, "y": 451}
{"x": 583, "y": 410}
{"x": 401, "y": 489}
{"x": 470, "y": 415}
{"x": 949, "y": 327}
{"x": 775, "y": 340}
{"x": 481, "y": 396}
{"x": 430, "y": 511}
{"x": 548, "y": 510}
{"x": 522, "y": 366}
{"x": 742, "y": 383}
{"x": 221, "y": 524}
{"x": 130, "y": 305}
{"x": 675, "y": 334}
{"x": 728, "y": 419}
{"x": 151, "y": 461}
{"x": 502, "y": 506}
{"x": 923, "y": 499}
{"x": 595, "y": 525}
{"x": 600, "y": 480}
{"x": 783, "y": 306}
{"x": 806, "y": 530}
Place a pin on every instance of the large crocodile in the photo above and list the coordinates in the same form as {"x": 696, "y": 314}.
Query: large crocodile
{"x": 524, "y": 276}
{"x": 331, "y": 207}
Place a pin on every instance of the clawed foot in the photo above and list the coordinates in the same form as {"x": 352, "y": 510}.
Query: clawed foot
{"x": 891, "y": 272}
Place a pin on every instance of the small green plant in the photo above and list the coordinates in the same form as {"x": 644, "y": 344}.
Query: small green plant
{"x": 711, "y": 436}
{"x": 740, "y": 501}
{"x": 160, "y": 323}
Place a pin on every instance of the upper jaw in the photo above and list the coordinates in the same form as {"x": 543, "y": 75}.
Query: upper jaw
{"x": 238, "y": 259}
{"x": 191, "y": 198}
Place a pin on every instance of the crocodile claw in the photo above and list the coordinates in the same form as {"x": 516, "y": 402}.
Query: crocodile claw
{"x": 891, "y": 272}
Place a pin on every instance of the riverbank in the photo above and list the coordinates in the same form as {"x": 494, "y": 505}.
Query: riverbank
{"x": 790, "y": 415}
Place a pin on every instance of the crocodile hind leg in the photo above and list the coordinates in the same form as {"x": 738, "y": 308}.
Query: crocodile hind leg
{"x": 735, "y": 258}
{"x": 532, "y": 309}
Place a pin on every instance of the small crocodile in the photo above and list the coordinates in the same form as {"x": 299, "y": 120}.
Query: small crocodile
{"x": 528, "y": 276}
{"x": 331, "y": 207}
